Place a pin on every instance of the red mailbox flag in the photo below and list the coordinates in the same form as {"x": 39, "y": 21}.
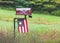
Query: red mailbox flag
{"x": 22, "y": 25}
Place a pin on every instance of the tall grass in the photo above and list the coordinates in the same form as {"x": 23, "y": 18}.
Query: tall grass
{"x": 38, "y": 35}
{"x": 42, "y": 29}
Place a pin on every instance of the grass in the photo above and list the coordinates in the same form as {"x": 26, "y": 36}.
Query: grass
{"x": 42, "y": 28}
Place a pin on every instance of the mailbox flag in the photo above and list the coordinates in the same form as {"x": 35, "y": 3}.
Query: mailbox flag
{"x": 22, "y": 25}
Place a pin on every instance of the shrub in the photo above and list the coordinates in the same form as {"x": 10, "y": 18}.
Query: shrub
{"x": 56, "y": 13}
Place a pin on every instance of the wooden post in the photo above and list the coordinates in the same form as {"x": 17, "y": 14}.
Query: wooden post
{"x": 14, "y": 27}
{"x": 25, "y": 16}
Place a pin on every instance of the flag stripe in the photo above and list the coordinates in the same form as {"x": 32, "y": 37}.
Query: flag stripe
{"x": 20, "y": 30}
{"x": 25, "y": 25}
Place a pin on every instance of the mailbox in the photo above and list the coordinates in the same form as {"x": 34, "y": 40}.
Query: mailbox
{"x": 22, "y": 22}
{"x": 23, "y": 11}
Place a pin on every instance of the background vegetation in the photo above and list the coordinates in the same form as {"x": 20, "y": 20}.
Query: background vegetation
{"x": 40, "y": 6}
{"x": 44, "y": 26}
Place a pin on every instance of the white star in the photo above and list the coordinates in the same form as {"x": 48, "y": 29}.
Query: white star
{"x": 20, "y": 23}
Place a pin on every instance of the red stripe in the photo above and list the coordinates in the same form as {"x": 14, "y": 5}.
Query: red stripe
{"x": 26, "y": 26}
{"x": 23, "y": 25}
{"x": 20, "y": 29}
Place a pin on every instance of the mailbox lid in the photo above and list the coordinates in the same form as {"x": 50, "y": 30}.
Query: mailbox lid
{"x": 23, "y": 11}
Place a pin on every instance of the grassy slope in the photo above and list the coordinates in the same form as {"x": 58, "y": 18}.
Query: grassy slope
{"x": 6, "y": 15}
{"x": 44, "y": 24}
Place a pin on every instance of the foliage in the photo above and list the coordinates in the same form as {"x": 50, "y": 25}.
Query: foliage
{"x": 56, "y": 12}
{"x": 36, "y": 5}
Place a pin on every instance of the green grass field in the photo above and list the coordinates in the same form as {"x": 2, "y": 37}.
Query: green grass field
{"x": 42, "y": 28}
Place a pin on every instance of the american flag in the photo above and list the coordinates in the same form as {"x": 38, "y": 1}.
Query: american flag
{"x": 22, "y": 25}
